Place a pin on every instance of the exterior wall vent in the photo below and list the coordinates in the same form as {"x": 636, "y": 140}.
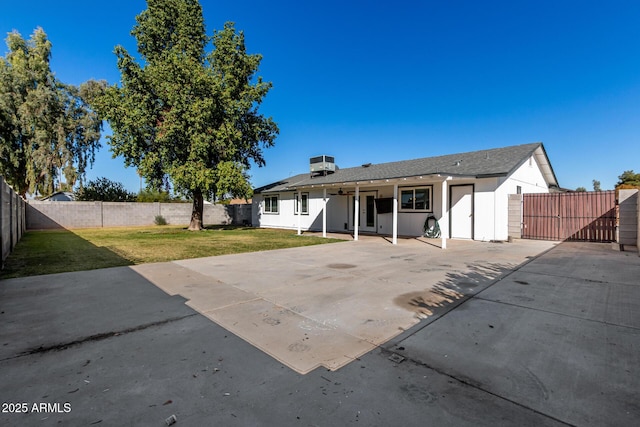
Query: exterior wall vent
{"x": 322, "y": 165}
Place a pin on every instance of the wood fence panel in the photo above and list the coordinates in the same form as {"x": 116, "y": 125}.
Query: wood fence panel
{"x": 586, "y": 216}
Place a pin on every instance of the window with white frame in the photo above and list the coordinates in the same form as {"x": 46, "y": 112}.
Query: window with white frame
{"x": 305, "y": 204}
{"x": 271, "y": 204}
{"x": 416, "y": 199}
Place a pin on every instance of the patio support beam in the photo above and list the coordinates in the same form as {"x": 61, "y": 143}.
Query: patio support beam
{"x": 324, "y": 212}
{"x": 394, "y": 238}
{"x": 444, "y": 220}
{"x": 299, "y": 206}
{"x": 356, "y": 213}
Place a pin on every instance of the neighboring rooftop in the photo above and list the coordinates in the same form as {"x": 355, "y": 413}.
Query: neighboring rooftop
{"x": 477, "y": 164}
{"x": 60, "y": 196}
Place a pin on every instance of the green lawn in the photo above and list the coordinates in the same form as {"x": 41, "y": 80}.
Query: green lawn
{"x": 57, "y": 251}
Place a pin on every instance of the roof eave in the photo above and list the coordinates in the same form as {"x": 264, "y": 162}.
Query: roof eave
{"x": 492, "y": 175}
{"x": 551, "y": 172}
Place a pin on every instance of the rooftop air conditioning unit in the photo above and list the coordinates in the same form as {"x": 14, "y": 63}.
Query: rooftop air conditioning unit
{"x": 322, "y": 165}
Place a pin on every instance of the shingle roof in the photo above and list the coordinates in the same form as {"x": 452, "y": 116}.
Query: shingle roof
{"x": 483, "y": 163}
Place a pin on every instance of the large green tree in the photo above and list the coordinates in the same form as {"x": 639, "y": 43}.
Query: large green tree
{"x": 629, "y": 178}
{"x": 47, "y": 129}
{"x": 184, "y": 114}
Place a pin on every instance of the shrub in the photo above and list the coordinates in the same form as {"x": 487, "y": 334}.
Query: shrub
{"x": 159, "y": 220}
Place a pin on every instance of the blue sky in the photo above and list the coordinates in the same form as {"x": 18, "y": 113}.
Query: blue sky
{"x": 372, "y": 81}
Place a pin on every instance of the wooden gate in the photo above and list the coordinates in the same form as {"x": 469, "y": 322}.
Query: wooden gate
{"x": 585, "y": 216}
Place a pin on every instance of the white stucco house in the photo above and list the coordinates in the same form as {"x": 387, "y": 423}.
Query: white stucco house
{"x": 467, "y": 193}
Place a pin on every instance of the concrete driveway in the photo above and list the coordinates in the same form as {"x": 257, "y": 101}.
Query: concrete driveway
{"x": 480, "y": 334}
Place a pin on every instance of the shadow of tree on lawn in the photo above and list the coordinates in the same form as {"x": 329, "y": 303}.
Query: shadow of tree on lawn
{"x": 58, "y": 251}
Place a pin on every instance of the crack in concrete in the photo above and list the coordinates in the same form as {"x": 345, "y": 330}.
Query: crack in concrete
{"x": 96, "y": 337}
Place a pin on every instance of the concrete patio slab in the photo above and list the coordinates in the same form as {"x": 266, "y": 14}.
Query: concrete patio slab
{"x": 355, "y": 295}
{"x": 202, "y": 292}
{"x": 296, "y": 341}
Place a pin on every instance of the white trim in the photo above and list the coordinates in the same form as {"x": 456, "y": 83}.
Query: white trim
{"x": 429, "y": 189}
{"x": 298, "y": 203}
{"x": 271, "y": 197}
{"x": 461, "y": 210}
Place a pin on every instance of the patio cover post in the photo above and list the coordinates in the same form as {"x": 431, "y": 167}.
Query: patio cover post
{"x": 324, "y": 212}
{"x": 356, "y": 213}
{"x": 299, "y": 206}
{"x": 394, "y": 239}
{"x": 444, "y": 228}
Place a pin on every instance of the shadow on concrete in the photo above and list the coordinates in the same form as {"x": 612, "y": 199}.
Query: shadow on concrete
{"x": 449, "y": 293}
{"x": 49, "y": 313}
{"x": 430, "y": 241}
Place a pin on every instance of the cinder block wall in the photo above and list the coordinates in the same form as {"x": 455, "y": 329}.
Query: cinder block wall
{"x": 628, "y": 226}
{"x": 179, "y": 213}
{"x": 216, "y": 214}
{"x": 46, "y": 215}
{"x": 12, "y": 218}
{"x": 50, "y": 215}
{"x": 116, "y": 214}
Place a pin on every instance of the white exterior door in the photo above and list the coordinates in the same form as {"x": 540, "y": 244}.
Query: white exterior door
{"x": 461, "y": 211}
{"x": 367, "y": 215}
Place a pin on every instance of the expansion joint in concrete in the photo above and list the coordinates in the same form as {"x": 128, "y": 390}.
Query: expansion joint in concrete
{"x": 602, "y": 322}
